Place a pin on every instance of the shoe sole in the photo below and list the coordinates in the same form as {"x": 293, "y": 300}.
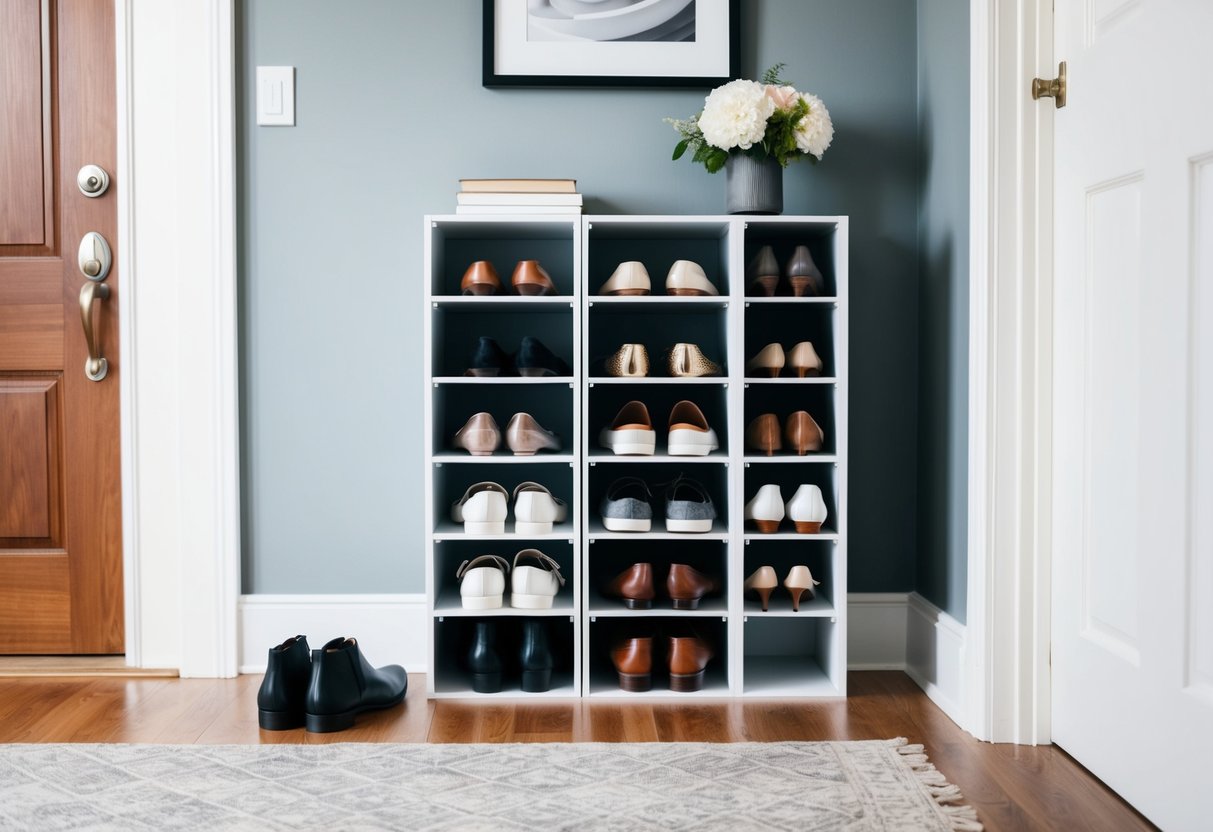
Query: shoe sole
{"x": 616, "y": 524}
{"x": 328, "y": 723}
{"x": 536, "y": 681}
{"x": 689, "y": 526}
{"x": 280, "y": 720}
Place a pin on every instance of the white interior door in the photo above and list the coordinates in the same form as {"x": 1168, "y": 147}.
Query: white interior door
{"x": 1133, "y": 402}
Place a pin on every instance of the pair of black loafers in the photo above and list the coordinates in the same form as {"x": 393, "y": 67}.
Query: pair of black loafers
{"x": 324, "y": 689}
{"x": 533, "y": 359}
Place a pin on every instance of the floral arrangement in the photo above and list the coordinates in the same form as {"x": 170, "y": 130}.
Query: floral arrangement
{"x": 763, "y": 119}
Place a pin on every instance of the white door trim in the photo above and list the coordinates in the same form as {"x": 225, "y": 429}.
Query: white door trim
{"x": 1010, "y": 374}
{"x": 179, "y": 407}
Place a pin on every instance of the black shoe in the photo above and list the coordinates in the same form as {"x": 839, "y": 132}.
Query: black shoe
{"x": 488, "y": 359}
{"x": 534, "y": 359}
{"x": 343, "y": 684}
{"x": 535, "y": 657}
{"x": 280, "y": 699}
{"x": 483, "y": 660}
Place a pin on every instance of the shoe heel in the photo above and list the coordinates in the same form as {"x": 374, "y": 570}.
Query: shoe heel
{"x": 486, "y": 682}
{"x": 328, "y": 723}
{"x": 489, "y": 372}
{"x": 801, "y": 286}
{"x": 534, "y": 372}
{"x": 805, "y": 527}
{"x": 772, "y": 372}
{"x": 685, "y": 292}
{"x": 689, "y": 683}
{"x": 767, "y": 526}
{"x": 480, "y": 289}
{"x": 812, "y": 372}
{"x": 279, "y": 720}
{"x": 764, "y": 595}
{"x": 796, "y": 592}
{"x": 536, "y": 681}
{"x": 636, "y": 682}
{"x": 530, "y": 289}
{"x": 766, "y": 285}
{"x": 637, "y": 604}
{"x": 685, "y": 603}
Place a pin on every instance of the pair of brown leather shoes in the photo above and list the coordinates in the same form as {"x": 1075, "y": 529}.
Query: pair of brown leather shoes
{"x": 529, "y": 278}
{"x": 687, "y": 658}
{"x": 684, "y": 585}
{"x": 801, "y": 431}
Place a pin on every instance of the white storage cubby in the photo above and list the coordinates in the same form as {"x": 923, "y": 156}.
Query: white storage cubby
{"x": 776, "y": 653}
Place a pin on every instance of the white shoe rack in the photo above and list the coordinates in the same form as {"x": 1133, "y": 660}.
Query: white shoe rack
{"x": 778, "y": 653}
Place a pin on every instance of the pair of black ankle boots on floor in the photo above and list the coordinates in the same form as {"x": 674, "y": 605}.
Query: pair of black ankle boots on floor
{"x": 534, "y": 657}
{"x": 324, "y": 689}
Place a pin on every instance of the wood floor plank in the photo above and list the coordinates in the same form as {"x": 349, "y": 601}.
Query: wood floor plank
{"x": 1012, "y": 787}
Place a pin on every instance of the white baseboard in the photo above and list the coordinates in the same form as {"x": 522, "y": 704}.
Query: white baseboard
{"x": 391, "y": 629}
{"x": 876, "y": 630}
{"x": 935, "y": 645}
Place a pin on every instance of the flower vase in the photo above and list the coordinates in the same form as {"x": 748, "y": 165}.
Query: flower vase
{"x": 753, "y": 186}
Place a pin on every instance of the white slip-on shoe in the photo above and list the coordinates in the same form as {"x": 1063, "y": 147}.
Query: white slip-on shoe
{"x": 629, "y": 278}
{"x": 631, "y": 432}
{"x": 687, "y": 277}
{"x": 482, "y": 509}
{"x": 807, "y": 509}
{"x": 482, "y": 582}
{"x": 690, "y": 434}
{"x": 534, "y": 587}
{"x": 536, "y": 510}
{"x": 766, "y": 509}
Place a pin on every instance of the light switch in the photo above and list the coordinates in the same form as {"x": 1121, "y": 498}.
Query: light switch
{"x": 276, "y": 96}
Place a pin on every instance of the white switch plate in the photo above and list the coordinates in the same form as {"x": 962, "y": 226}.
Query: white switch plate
{"x": 276, "y": 96}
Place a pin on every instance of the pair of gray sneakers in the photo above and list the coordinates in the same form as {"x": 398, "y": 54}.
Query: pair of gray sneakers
{"x": 626, "y": 506}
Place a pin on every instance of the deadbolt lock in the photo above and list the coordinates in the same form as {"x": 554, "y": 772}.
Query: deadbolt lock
{"x": 92, "y": 181}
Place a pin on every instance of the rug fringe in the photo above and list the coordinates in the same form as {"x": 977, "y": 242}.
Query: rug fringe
{"x": 946, "y": 795}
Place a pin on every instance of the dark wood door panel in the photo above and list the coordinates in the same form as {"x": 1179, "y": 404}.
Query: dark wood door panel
{"x": 31, "y": 505}
{"x": 26, "y": 158}
{"x": 35, "y": 604}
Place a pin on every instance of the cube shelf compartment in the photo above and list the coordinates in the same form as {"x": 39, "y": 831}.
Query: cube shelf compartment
{"x": 774, "y": 653}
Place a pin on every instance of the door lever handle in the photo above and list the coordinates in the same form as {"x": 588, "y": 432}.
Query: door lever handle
{"x": 95, "y": 366}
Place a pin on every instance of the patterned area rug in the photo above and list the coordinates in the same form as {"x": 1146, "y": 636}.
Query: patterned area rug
{"x": 878, "y": 785}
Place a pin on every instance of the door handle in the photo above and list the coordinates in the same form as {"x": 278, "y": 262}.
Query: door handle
{"x": 95, "y": 366}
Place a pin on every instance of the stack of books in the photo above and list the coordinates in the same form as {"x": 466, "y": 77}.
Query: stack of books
{"x": 518, "y": 196}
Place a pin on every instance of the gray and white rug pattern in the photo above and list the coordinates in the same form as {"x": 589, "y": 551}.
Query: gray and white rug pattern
{"x": 875, "y": 785}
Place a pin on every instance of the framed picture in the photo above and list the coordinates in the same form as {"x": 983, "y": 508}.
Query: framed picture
{"x": 611, "y": 43}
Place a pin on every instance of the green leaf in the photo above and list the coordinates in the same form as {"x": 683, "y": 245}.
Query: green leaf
{"x": 680, "y": 149}
{"x": 716, "y": 159}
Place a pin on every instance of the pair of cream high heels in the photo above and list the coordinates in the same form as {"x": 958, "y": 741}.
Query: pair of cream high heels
{"x": 685, "y": 277}
{"x": 771, "y": 359}
{"x": 799, "y": 581}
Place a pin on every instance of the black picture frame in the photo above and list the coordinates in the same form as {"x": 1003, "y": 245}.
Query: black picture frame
{"x": 490, "y": 78}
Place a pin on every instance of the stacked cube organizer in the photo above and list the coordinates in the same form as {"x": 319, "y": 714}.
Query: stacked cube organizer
{"x": 778, "y": 653}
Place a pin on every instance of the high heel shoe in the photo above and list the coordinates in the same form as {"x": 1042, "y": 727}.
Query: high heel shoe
{"x": 803, "y": 275}
{"x": 480, "y": 279}
{"x": 766, "y": 509}
{"x": 805, "y": 360}
{"x": 807, "y": 509}
{"x": 688, "y": 278}
{"x": 763, "y": 434}
{"x": 524, "y": 436}
{"x": 803, "y": 433}
{"x": 688, "y": 361}
{"x": 762, "y": 275}
{"x": 798, "y": 582}
{"x": 769, "y": 361}
{"x": 479, "y": 436}
{"x": 763, "y": 581}
{"x": 629, "y": 361}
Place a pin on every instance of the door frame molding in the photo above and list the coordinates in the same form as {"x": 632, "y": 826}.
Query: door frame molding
{"x": 1007, "y": 679}
{"x": 176, "y": 192}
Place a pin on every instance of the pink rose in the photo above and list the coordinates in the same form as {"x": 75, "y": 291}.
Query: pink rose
{"x": 784, "y": 98}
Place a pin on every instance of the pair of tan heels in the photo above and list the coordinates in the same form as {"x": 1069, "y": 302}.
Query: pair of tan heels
{"x": 682, "y": 361}
{"x": 801, "y": 431}
{"x": 480, "y": 435}
{"x": 799, "y": 582}
{"x": 802, "y": 274}
{"x": 771, "y": 359}
{"x": 529, "y": 278}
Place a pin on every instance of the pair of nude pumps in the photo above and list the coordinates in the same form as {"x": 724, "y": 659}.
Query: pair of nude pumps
{"x": 685, "y": 277}
{"x": 772, "y": 359}
{"x": 480, "y": 435}
{"x": 798, "y": 583}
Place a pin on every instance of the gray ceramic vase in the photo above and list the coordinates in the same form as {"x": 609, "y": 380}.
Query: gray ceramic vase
{"x": 753, "y": 186}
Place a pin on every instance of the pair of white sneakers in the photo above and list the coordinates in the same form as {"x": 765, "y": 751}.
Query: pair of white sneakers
{"x": 806, "y": 509}
{"x": 533, "y": 586}
{"x": 484, "y": 507}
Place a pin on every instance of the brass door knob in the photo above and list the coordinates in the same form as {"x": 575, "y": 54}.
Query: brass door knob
{"x": 1054, "y": 88}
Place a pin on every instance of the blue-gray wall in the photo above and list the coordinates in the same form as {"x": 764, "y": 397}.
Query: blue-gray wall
{"x": 943, "y": 279}
{"x": 390, "y": 112}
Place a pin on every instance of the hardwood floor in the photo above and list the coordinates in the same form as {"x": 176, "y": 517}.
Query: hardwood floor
{"x": 1012, "y": 787}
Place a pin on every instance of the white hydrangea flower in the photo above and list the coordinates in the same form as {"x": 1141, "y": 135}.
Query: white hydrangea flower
{"x": 814, "y": 131}
{"x": 735, "y": 115}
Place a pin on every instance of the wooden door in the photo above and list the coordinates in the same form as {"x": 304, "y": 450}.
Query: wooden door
{"x": 1133, "y": 402}
{"x": 60, "y": 497}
